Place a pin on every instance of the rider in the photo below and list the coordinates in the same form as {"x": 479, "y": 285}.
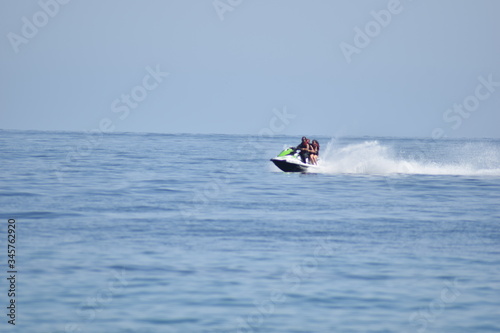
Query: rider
{"x": 314, "y": 152}
{"x": 305, "y": 149}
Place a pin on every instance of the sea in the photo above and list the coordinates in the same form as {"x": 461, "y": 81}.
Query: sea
{"x": 141, "y": 232}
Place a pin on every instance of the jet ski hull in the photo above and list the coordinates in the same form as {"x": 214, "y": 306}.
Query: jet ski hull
{"x": 290, "y": 164}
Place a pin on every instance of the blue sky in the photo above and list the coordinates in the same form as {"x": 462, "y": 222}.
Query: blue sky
{"x": 338, "y": 68}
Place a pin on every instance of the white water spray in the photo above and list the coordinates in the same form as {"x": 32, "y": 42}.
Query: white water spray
{"x": 371, "y": 157}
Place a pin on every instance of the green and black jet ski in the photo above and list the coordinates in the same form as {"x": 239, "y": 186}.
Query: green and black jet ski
{"x": 289, "y": 161}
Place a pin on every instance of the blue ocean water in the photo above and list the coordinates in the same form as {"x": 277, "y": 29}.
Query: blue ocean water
{"x": 201, "y": 233}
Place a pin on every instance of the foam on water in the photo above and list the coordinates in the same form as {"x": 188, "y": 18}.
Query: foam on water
{"x": 372, "y": 157}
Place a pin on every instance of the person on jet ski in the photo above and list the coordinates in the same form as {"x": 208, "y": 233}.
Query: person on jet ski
{"x": 305, "y": 149}
{"x": 314, "y": 153}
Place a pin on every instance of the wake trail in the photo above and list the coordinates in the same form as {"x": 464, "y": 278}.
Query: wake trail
{"x": 371, "y": 157}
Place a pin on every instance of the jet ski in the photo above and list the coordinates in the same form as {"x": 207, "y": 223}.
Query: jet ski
{"x": 289, "y": 161}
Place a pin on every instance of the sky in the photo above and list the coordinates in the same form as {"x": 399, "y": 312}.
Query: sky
{"x": 338, "y": 68}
